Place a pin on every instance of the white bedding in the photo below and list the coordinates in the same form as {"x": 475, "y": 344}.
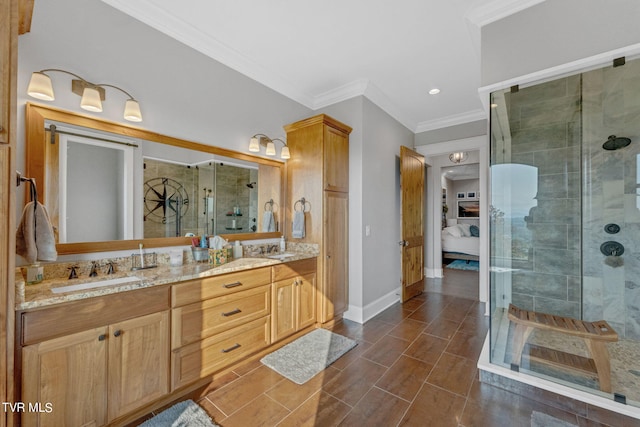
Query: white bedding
{"x": 465, "y": 245}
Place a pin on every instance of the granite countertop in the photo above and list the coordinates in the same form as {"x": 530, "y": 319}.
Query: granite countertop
{"x": 42, "y": 295}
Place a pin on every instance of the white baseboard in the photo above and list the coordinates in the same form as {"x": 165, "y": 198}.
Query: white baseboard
{"x": 433, "y": 272}
{"x": 361, "y": 315}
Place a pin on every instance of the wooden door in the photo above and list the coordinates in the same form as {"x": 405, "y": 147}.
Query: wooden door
{"x": 284, "y": 309}
{"x": 306, "y": 290}
{"x": 412, "y": 219}
{"x": 70, "y": 373}
{"x": 138, "y": 362}
{"x": 334, "y": 287}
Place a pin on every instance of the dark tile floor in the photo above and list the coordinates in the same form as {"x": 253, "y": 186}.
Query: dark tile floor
{"x": 415, "y": 365}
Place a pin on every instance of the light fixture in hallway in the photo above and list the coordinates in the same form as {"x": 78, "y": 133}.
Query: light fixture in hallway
{"x": 458, "y": 157}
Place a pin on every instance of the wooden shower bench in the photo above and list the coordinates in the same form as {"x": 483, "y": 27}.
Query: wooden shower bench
{"x": 595, "y": 335}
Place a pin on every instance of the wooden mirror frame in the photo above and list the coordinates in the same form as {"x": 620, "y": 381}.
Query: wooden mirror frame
{"x": 37, "y": 161}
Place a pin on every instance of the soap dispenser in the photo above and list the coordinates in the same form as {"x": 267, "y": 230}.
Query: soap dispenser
{"x": 237, "y": 250}
{"x": 283, "y": 245}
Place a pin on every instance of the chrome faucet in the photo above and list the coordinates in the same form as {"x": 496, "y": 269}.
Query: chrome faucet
{"x": 111, "y": 267}
{"x": 94, "y": 268}
{"x": 272, "y": 249}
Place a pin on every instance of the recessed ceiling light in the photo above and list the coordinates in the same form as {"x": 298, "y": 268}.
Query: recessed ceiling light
{"x": 434, "y": 91}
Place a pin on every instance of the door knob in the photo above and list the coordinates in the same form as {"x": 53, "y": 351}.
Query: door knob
{"x": 403, "y": 243}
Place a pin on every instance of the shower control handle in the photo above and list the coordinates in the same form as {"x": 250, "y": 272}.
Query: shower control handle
{"x": 611, "y": 248}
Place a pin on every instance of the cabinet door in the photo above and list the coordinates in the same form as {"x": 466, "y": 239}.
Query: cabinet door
{"x": 334, "y": 289}
{"x": 138, "y": 362}
{"x": 69, "y": 374}
{"x": 284, "y": 308}
{"x": 336, "y": 160}
{"x": 306, "y": 289}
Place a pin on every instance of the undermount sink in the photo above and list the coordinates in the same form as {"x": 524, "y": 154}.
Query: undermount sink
{"x": 281, "y": 256}
{"x": 97, "y": 284}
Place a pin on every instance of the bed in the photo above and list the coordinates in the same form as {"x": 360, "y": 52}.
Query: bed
{"x": 461, "y": 241}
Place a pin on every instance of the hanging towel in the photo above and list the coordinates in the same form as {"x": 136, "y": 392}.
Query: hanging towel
{"x": 268, "y": 222}
{"x": 297, "y": 231}
{"x": 35, "y": 240}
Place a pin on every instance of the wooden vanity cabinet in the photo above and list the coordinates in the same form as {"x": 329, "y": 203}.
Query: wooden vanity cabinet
{"x": 96, "y": 374}
{"x": 217, "y": 321}
{"x": 294, "y": 298}
{"x": 318, "y": 171}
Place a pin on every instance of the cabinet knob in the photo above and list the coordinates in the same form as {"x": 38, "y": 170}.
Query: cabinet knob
{"x": 102, "y": 337}
{"x": 117, "y": 333}
{"x": 328, "y": 256}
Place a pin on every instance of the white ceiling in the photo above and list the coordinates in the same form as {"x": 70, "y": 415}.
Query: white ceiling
{"x": 392, "y": 52}
{"x": 460, "y": 172}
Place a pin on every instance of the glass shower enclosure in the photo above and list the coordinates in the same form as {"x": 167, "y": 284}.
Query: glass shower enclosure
{"x": 565, "y": 230}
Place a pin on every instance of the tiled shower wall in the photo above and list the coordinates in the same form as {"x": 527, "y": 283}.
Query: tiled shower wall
{"x": 611, "y": 287}
{"x": 544, "y": 123}
{"x": 559, "y": 128}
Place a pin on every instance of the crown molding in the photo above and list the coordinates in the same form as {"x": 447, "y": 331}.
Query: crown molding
{"x": 341, "y": 93}
{"x": 379, "y": 98}
{"x": 148, "y": 13}
{"x": 453, "y": 120}
{"x": 497, "y": 10}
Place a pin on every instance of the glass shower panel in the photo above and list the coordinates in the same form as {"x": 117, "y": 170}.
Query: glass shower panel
{"x": 565, "y": 225}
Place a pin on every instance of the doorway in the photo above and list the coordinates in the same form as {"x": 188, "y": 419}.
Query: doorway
{"x": 434, "y": 153}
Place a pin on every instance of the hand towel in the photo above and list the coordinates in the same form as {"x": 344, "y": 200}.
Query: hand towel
{"x": 35, "y": 240}
{"x": 268, "y": 222}
{"x": 297, "y": 231}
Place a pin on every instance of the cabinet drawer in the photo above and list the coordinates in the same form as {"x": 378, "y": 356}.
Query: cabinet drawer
{"x": 205, "y": 357}
{"x": 199, "y": 320}
{"x": 203, "y": 289}
{"x": 294, "y": 268}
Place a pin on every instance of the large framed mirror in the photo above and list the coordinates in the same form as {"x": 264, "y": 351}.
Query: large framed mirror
{"x": 109, "y": 186}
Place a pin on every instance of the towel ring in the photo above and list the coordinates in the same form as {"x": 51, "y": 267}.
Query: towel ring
{"x": 303, "y": 202}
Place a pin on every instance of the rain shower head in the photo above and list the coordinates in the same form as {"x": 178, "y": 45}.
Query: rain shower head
{"x": 616, "y": 142}
{"x": 251, "y": 184}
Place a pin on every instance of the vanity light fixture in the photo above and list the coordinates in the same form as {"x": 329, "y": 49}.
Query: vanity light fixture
{"x": 92, "y": 94}
{"x": 261, "y": 139}
{"x": 458, "y": 157}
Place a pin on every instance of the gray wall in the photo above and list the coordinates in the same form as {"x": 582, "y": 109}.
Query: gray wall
{"x": 555, "y": 32}
{"x": 383, "y": 137}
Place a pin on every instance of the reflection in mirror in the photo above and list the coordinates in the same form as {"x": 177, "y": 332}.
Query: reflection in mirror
{"x": 208, "y": 196}
{"x": 116, "y": 183}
